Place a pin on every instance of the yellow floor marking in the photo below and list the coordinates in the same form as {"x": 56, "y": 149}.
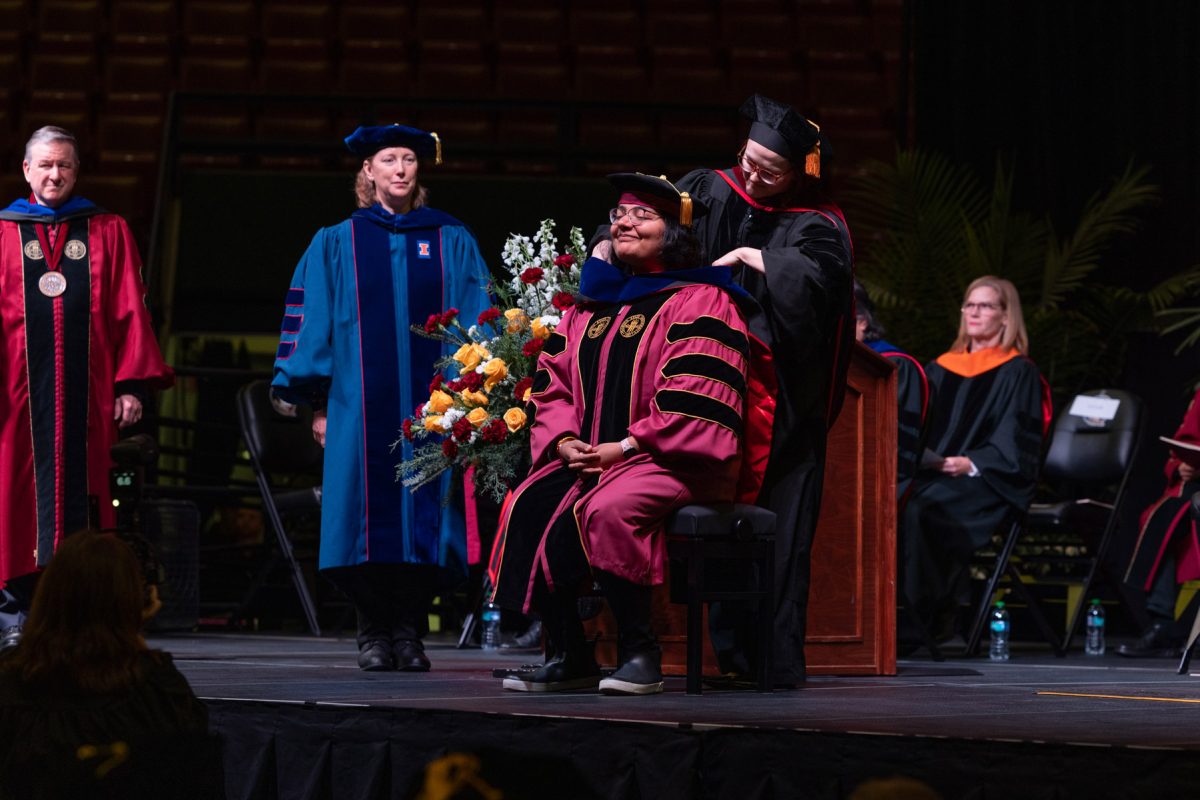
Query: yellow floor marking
{"x": 1119, "y": 697}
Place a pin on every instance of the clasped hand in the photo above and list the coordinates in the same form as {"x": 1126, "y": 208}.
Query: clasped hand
{"x": 589, "y": 459}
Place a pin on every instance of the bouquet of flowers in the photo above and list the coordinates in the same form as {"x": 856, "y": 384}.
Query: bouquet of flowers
{"x": 475, "y": 415}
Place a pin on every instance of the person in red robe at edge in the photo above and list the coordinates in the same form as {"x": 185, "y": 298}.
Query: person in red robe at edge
{"x": 80, "y": 356}
{"x": 1167, "y": 552}
{"x": 654, "y": 391}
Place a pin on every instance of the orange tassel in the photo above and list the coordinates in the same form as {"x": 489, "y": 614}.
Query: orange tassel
{"x": 685, "y": 210}
{"x": 437, "y": 146}
{"x": 812, "y": 162}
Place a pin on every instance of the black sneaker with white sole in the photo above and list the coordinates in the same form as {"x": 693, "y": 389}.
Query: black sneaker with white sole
{"x": 562, "y": 673}
{"x": 641, "y": 674}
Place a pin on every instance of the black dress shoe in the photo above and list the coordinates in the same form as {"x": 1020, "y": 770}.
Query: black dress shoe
{"x": 1159, "y": 641}
{"x": 10, "y": 638}
{"x": 410, "y": 656}
{"x": 376, "y": 656}
{"x": 640, "y": 674}
{"x": 531, "y": 639}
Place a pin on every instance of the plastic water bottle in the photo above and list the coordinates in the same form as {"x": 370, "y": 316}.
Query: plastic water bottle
{"x": 490, "y": 638}
{"x": 1093, "y": 643}
{"x": 1000, "y": 628}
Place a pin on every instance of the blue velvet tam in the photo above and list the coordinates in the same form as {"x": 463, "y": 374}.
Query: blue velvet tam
{"x": 368, "y": 140}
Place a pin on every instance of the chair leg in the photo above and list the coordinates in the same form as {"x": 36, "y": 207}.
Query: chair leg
{"x": 285, "y": 547}
{"x": 1035, "y": 608}
{"x": 766, "y": 623}
{"x": 695, "y": 619}
{"x": 985, "y": 602}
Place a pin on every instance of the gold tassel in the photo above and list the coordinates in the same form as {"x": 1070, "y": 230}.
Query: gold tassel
{"x": 685, "y": 210}
{"x": 812, "y": 162}
{"x": 437, "y": 145}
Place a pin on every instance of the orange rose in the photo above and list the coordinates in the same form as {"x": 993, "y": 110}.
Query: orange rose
{"x": 540, "y": 330}
{"x": 494, "y": 371}
{"x": 473, "y": 398}
{"x": 440, "y": 402}
{"x": 433, "y": 424}
{"x": 471, "y": 356}
{"x": 517, "y": 321}
{"x": 514, "y": 418}
{"x": 478, "y": 416}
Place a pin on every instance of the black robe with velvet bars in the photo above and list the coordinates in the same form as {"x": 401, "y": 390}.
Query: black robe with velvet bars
{"x": 807, "y": 296}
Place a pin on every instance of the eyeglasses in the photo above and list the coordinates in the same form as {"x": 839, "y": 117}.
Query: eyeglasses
{"x": 985, "y": 308}
{"x": 751, "y": 167}
{"x": 637, "y": 214}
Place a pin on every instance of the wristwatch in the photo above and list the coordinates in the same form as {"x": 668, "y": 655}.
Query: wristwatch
{"x": 627, "y": 447}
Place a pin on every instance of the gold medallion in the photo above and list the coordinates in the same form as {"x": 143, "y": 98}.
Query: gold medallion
{"x": 597, "y": 328}
{"x": 632, "y": 326}
{"x": 52, "y": 284}
{"x": 33, "y": 250}
{"x": 75, "y": 250}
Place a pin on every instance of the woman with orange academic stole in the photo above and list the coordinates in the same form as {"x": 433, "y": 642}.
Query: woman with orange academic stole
{"x": 989, "y": 412}
{"x": 645, "y": 399}
{"x": 348, "y": 350}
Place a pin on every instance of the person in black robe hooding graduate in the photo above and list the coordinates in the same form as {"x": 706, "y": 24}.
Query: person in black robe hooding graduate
{"x": 770, "y": 219}
{"x": 988, "y": 415}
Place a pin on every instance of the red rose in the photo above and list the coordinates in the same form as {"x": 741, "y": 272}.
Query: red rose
{"x": 521, "y": 387}
{"x": 449, "y": 448}
{"x": 533, "y": 347}
{"x": 431, "y": 324}
{"x": 448, "y": 316}
{"x": 406, "y": 427}
{"x": 563, "y": 300}
{"x": 436, "y": 383}
{"x": 494, "y": 432}
{"x": 453, "y": 386}
{"x": 462, "y": 429}
{"x": 564, "y": 261}
{"x": 472, "y": 381}
{"x": 532, "y": 275}
{"x": 488, "y": 315}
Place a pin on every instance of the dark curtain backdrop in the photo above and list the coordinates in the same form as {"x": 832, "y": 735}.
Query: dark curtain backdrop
{"x": 1071, "y": 91}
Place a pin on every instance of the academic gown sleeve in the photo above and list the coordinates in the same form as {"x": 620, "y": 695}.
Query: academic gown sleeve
{"x": 137, "y": 360}
{"x": 911, "y": 396}
{"x": 304, "y": 361}
{"x": 698, "y": 379}
{"x": 468, "y": 273}
{"x": 553, "y": 392}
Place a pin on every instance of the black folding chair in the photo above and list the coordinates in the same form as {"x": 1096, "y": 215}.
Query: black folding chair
{"x": 280, "y": 445}
{"x": 1087, "y": 465}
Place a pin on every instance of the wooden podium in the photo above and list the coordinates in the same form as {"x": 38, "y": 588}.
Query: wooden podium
{"x": 852, "y": 596}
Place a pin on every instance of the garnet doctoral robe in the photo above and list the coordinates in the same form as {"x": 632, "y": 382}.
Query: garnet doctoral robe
{"x": 671, "y": 368}
{"x": 66, "y": 359}
{"x": 347, "y": 346}
{"x": 1167, "y": 524}
{"x": 807, "y": 296}
{"x": 991, "y": 407}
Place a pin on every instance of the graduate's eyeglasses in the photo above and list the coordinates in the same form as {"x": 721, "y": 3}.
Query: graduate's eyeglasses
{"x": 983, "y": 308}
{"x": 752, "y": 167}
{"x": 637, "y": 214}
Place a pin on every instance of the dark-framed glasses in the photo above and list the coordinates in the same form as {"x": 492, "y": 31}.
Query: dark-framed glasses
{"x": 983, "y": 308}
{"x": 637, "y": 214}
{"x": 752, "y": 167}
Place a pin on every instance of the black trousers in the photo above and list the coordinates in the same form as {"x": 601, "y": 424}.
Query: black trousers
{"x": 391, "y": 600}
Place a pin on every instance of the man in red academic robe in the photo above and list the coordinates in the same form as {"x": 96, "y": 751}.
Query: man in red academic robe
{"x": 79, "y": 356}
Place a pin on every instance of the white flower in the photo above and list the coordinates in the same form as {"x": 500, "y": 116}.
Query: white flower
{"x": 452, "y": 416}
{"x": 550, "y": 320}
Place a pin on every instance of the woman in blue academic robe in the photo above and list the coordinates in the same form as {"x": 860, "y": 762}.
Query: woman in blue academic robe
{"x": 347, "y": 349}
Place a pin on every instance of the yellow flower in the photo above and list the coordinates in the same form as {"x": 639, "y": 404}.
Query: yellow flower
{"x": 478, "y": 416}
{"x": 514, "y": 418}
{"x": 433, "y": 424}
{"x": 494, "y": 371}
{"x": 517, "y": 321}
{"x": 471, "y": 356}
{"x": 440, "y": 402}
{"x": 525, "y": 395}
{"x": 540, "y": 330}
{"x": 473, "y": 398}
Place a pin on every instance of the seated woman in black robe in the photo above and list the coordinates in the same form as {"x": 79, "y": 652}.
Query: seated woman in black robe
{"x": 987, "y": 417}
{"x": 86, "y": 708}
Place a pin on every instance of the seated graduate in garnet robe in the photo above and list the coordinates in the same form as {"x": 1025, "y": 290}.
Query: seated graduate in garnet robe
{"x": 989, "y": 411}
{"x": 654, "y": 391}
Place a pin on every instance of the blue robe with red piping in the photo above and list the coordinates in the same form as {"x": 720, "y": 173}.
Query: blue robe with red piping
{"x": 346, "y": 345}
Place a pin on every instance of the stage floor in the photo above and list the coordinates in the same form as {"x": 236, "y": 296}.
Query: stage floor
{"x": 1034, "y": 697}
